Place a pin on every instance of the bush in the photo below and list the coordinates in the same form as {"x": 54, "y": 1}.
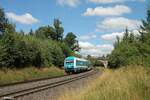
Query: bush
{"x": 38, "y": 51}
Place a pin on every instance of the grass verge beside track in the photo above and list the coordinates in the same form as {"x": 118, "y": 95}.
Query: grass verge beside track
{"x": 126, "y": 83}
{"x": 17, "y": 75}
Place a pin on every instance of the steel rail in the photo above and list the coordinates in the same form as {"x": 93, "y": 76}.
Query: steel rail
{"x": 29, "y": 81}
{"x": 24, "y": 92}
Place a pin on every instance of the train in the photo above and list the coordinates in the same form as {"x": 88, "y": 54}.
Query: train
{"x": 74, "y": 64}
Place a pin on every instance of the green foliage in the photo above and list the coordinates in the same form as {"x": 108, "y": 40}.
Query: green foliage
{"x": 43, "y": 32}
{"x": 19, "y": 51}
{"x": 66, "y": 50}
{"x": 1, "y": 54}
{"x": 124, "y": 54}
{"x": 3, "y": 20}
{"x": 94, "y": 61}
{"x": 57, "y": 55}
{"x": 58, "y": 29}
{"x": 54, "y": 33}
{"x": 9, "y": 48}
{"x": 49, "y": 32}
{"x": 4, "y": 24}
{"x": 38, "y": 51}
{"x": 71, "y": 41}
{"x": 31, "y": 32}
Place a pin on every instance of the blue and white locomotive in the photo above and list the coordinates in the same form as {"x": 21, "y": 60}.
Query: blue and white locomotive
{"x": 73, "y": 64}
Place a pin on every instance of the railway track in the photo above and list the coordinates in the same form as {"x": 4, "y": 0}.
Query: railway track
{"x": 23, "y": 92}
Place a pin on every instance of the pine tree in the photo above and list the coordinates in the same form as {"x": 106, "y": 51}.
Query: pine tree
{"x": 58, "y": 29}
{"x": 126, "y": 35}
{"x": 3, "y": 20}
{"x": 31, "y": 32}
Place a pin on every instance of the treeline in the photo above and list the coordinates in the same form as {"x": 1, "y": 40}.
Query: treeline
{"x": 42, "y": 47}
{"x": 132, "y": 49}
{"x": 95, "y": 61}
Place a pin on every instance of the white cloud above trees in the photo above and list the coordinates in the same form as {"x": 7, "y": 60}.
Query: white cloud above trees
{"x": 87, "y": 37}
{"x": 95, "y": 50}
{"x": 117, "y": 24}
{"x": 112, "y": 36}
{"x": 26, "y": 18}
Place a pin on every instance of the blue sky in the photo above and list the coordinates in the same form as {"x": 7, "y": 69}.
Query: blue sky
{"x": 95, "y": 22}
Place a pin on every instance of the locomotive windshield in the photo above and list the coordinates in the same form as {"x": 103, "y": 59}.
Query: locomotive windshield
{"x": 69, "y": 62}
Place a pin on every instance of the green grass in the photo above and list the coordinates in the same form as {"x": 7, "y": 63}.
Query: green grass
{"x": 127, "y": 83}
{"x": 17, "y": 75}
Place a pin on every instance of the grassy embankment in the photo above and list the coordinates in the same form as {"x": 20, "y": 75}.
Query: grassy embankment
{"x": 17, "y": 75}
{"x": 127, "y": 83}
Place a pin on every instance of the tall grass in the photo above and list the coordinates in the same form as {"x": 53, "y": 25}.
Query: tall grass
{"x": 17, "y": 75}
{"x": 127, "y": 83}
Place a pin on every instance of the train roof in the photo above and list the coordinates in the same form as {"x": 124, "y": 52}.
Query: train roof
{"x": 73, "y": 57}
{"x": 70, "y": 58}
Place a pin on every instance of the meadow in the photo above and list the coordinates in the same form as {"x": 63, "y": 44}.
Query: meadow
{"x": 29, "y": 73}
{"x": 125, "y": 83}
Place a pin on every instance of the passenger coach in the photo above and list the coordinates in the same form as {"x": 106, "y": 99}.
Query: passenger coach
{"x": 74, "y": 64}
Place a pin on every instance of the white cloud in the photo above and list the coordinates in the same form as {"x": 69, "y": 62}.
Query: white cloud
{"x": 136, "y": 32}
{"x": 117, "y": 24}
{"x": 105, "y": 1}
{"x": 26, "y": 18}
{"x": 87, "y": 37}
{"x": 111, "y": 1}
{"x": 88, "y": 48}
{"x": 86, "y": 45}
{"x": 107, "y": 11}
{"x": 71, "y": 3}
{"x": 112, "y": 36}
